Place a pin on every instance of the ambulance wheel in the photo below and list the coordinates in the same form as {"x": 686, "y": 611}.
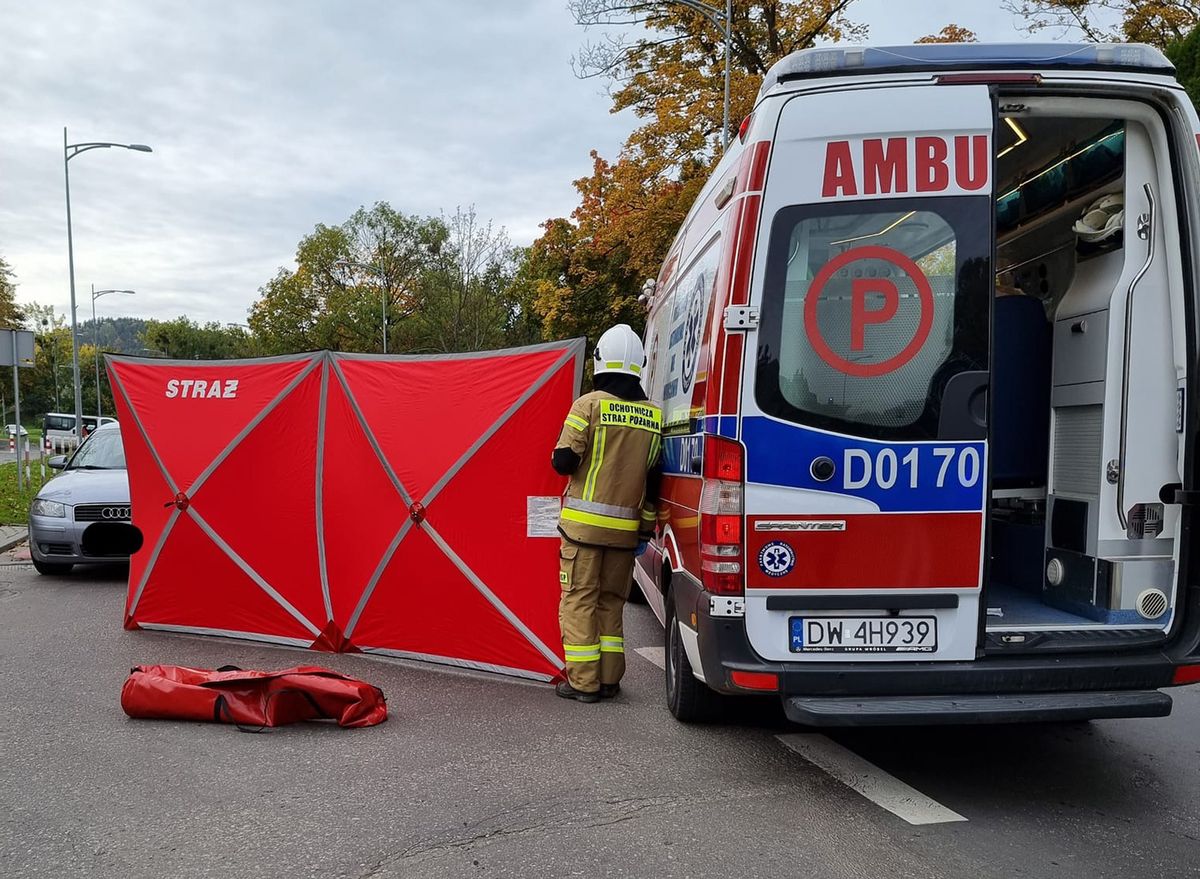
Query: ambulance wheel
{"x": 50, "y": 569}
{"x": 688, "y": 700}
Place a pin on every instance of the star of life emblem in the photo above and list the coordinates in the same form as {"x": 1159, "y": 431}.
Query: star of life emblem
{"x": 777, "y": 559}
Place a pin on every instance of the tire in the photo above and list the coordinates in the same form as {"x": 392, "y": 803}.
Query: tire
{"x": 688, "y": 700}
{"x": 51, "y": 569}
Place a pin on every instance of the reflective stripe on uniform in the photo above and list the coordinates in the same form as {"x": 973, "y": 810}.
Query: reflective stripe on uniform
{"x": 576, "y": 422}
{"x": 617, "y": 364}
{"x": 589, "y": 487}
{"x": 655, "y": 444}
{"x": 649, "y": 515}
{"x": 575, "y": 503}
{"x": 612, "y": 644}
{"x": 581, "y": 652}
{"x": 599, "y": 521}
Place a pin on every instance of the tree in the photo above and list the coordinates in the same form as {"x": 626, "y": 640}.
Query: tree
{"x": 673, "y": 78}
{"x": 1185, "y": 55}
{"x": 328, "y": 303}
{"x": 183, "y": 338}
{"x": 49, "y": 384}
{"x": 951, "y": 33}
{"x": 10, "y": 312}
{"x": 46, "y": 386}
{"x": 586, "y": 271}
{"x": 464, "y": 299}
{"x": 1157, "y": 22}
{"x": 446, "y": 282}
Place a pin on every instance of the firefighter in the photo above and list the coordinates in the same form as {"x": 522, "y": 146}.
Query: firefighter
{"x": 609, "y": 448}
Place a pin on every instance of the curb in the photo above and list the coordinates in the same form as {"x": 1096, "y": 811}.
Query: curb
{"x": 6, "y": 545}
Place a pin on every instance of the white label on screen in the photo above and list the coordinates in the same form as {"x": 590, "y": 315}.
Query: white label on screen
{"x": 541, "y": 516}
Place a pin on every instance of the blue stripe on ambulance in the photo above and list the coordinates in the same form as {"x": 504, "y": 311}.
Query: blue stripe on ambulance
{"x": 898, "y": 477}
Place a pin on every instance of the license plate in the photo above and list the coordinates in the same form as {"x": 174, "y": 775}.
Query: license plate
{"x": 863, "y": 634}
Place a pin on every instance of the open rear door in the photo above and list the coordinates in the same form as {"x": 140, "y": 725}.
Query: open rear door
{"x": 865, "y": 415}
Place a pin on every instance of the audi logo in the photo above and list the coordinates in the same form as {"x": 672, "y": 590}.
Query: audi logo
{"x": 121, "y": 513}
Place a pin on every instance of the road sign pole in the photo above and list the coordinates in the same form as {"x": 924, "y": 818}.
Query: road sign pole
{"x": 17, "y": 410}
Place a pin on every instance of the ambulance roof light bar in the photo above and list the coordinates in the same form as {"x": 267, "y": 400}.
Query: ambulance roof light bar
{"x": 858, "y": 60}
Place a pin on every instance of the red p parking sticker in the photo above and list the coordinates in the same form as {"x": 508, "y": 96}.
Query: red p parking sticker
{"x": 862, "y": 317}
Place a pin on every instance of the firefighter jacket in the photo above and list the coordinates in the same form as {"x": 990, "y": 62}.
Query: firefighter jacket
{"x": 618, "y": 442}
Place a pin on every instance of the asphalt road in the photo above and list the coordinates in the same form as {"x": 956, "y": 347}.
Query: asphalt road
{"x": 476, "y": 776}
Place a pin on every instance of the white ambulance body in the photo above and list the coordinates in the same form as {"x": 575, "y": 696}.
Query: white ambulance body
{"x": 926, "y": 348}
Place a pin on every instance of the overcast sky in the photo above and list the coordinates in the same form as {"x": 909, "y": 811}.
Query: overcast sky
{"x": 270, "y": 116}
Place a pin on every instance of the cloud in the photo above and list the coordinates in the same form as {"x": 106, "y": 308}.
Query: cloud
{"x": 269, "y": 117}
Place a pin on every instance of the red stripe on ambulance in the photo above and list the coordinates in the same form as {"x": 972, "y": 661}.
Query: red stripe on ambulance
{"x": 742, "y": 228}
{"x": 900, "y": 165}
{"x": 873, "y": 551}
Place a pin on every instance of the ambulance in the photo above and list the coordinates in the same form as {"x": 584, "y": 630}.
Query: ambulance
{"x": 926, "y": 347}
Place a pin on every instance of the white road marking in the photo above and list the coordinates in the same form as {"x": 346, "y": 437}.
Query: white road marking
{"x": 869, "y": 780}
{"x": 656, "y": 655}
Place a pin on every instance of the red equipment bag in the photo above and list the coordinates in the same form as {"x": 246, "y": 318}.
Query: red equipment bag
{"x": 251, "y": 698}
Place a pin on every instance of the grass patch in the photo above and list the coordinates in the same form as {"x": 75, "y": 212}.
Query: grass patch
{"x": 14, "y": 505}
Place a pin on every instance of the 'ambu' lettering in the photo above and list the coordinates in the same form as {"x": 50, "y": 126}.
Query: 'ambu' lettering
{"x": 897, "y": 165}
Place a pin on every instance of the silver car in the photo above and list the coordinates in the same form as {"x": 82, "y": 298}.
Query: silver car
{"x": 82, "y": 516}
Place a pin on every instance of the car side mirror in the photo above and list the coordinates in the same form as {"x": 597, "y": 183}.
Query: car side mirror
{"x": 58, "y": 462}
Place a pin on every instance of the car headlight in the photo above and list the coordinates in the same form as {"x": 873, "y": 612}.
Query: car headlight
{"x": 43, "y": 507}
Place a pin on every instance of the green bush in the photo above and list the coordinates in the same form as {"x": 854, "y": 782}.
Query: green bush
{"x": 1185, "y": 55}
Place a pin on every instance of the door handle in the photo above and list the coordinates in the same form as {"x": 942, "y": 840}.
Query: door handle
{"x": 1116, "y": 468}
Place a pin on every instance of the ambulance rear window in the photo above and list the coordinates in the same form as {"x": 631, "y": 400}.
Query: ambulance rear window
{"x": 870, "y": 308}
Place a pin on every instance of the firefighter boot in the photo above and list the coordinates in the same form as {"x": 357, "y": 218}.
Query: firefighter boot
{"x": 564, "y": 689}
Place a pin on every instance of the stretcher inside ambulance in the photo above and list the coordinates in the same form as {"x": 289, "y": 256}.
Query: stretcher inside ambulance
{"x": 926, "y": 347}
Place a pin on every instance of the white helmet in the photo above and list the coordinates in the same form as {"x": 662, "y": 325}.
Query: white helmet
{"x": 1103, "y": 218}
{"x": 619, "y": 351}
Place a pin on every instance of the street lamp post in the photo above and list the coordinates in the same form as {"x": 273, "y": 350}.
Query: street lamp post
{"x": 70, "y": 151}
{"x": 721, "y": 18}
{"x": 378, "y": 272}
{"x": 96, "y": 294}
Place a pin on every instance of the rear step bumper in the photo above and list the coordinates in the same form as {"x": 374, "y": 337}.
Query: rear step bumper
{"x": 975, "y": 708}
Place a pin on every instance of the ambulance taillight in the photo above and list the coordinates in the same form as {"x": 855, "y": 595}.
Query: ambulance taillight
{"x": 1186, "y": 674}
{"x": 744, "y": 128}
{"x": 721, "y": 516}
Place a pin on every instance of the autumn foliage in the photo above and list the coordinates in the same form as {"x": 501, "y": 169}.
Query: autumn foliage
{"x": 951, "y": 33}
{"x": 586, "y": 270}
{"x": 1160, "y": 23}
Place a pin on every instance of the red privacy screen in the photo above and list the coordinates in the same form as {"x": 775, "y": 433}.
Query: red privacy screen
{"x": 395, "y": 505}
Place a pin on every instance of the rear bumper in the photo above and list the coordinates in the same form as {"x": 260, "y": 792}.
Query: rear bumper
{"x": 979, "y": 708}
{"x": 989, "y": 689}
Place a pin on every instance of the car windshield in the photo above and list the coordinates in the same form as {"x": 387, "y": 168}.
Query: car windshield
{"x": 103, "y": 451}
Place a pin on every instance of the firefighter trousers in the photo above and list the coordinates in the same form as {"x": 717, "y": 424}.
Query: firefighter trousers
{"x": 595, "y": 584}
